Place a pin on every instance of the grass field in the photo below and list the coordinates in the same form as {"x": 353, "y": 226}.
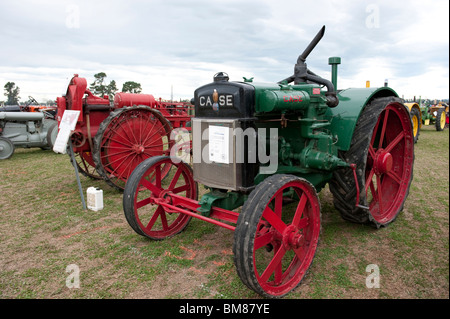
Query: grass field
{"x": 44, "y": 229}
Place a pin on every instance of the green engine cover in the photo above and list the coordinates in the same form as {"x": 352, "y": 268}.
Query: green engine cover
{"x": 276, "y": 98}
{"x": 313, "y": 132}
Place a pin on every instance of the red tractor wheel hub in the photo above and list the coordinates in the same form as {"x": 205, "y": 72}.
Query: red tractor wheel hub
{"x": 138, "y": 148}
{"x": 383, "y": 162}
{"x": 292, "y": 237}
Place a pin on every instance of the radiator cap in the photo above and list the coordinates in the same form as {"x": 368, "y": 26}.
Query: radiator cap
{"x": 221, "y": 77}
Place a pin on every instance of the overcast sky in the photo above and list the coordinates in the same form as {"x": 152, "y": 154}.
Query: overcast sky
{"x": 182, "y": 43}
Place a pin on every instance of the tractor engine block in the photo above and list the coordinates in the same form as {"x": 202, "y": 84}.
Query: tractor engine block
{"x": 245, "y": 131}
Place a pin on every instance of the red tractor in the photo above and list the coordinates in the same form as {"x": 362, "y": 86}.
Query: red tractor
{"x": 110, "y": 140}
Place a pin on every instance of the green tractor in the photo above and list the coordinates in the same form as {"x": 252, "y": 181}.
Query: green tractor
{"x": 436, "y": 115}
{"x": 264, "y": 151}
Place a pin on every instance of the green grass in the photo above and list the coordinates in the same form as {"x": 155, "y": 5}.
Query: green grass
{"x": 43, "y": 229}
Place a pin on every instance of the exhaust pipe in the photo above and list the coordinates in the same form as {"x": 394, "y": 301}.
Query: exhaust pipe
{"x": 303, "y": 75}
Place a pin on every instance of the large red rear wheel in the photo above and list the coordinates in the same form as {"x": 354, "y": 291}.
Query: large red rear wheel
{"x": 383, "y": 151}
{"x": 127, "y": 138}
{"x": 277, "y": 235}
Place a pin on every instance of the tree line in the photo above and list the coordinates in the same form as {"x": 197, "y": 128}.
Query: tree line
{"x": 99, "y": 87}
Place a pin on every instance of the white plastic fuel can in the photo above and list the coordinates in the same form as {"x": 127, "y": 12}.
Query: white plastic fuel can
{"x": 94, "y": 198}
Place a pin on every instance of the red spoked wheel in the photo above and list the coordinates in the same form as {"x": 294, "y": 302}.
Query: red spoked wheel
{"x": 85, "y": 164}
{"x": 84, "y": 161}
{"x": 127, "y": 138}
{"x": 383, "y": 151}
{"x": 389, "y": 164}
{"x": 148, "y": 183}
{"x": 277, "y": 235}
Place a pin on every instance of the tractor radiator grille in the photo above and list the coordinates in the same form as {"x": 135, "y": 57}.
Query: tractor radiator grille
{"x": 214, "y": 155}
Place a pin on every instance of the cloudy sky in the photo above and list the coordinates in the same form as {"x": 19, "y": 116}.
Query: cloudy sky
{"x": 181, "y": 44}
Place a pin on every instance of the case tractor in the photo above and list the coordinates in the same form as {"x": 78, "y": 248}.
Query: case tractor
{"x": 263, "y": 152}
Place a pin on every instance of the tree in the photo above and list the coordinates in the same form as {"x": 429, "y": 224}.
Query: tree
{"x": 111, "y": 89}
{"x": 12, "y": 93}
{"x": 101, "y": 89}
{"x": 132, "y": 87}
{"x": 98, "y": 88}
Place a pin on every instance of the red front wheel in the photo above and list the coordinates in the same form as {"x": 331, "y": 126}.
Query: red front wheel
{"x": 277, "y": 235}
{"x": 151, "y": 180}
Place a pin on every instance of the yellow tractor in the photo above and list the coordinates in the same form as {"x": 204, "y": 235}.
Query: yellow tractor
{"x": 439, "y": 114}
{"x": 416, "y": 118}
{"x": 436, "y": 115}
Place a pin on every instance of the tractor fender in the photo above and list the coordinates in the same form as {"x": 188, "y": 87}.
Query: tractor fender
{"x": 416, "y": 106}
{"x": 345, "y": 116}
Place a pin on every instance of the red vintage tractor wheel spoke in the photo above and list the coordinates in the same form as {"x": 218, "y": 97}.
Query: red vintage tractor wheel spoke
{"x": 125, "y": 143}
{"x": 123, "y": 165}
{"x": 150, "y": 133}
{"x": 130, "y": 130}
{"x": 86, "y": 165}
{"x": 180, "y": 189}
{"x": 379, "y": 194}
{"x": 394, "y": 143}
{"x": 369, "y": 179}
{"x": 150, "y": 186}
{"x": 175, "y": 179}
{"x": 274, "y": 219}
{"x": 126, "y": 169}
{"x": 154, "y": 144}
{"x": 372, "y": 189}
{"x": 298, "y": 221}
{"x": 274, "y": 263}
{"x": 303, "y": 223}
{"x": 263, "y": 240}
{"x": 371, "y": 151}
{"x": 394, "y": 177}
{"x": 125, "y": 154}
{"x": 155, "y": 216}
{"x": 149, "y": 138}
{"x": 158, "y": 176}
{"x": 383, "y": 128}
{"x": 164, "y": 222}
{"x": 143, "y": 202}
{"x": 115, "y": 134}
